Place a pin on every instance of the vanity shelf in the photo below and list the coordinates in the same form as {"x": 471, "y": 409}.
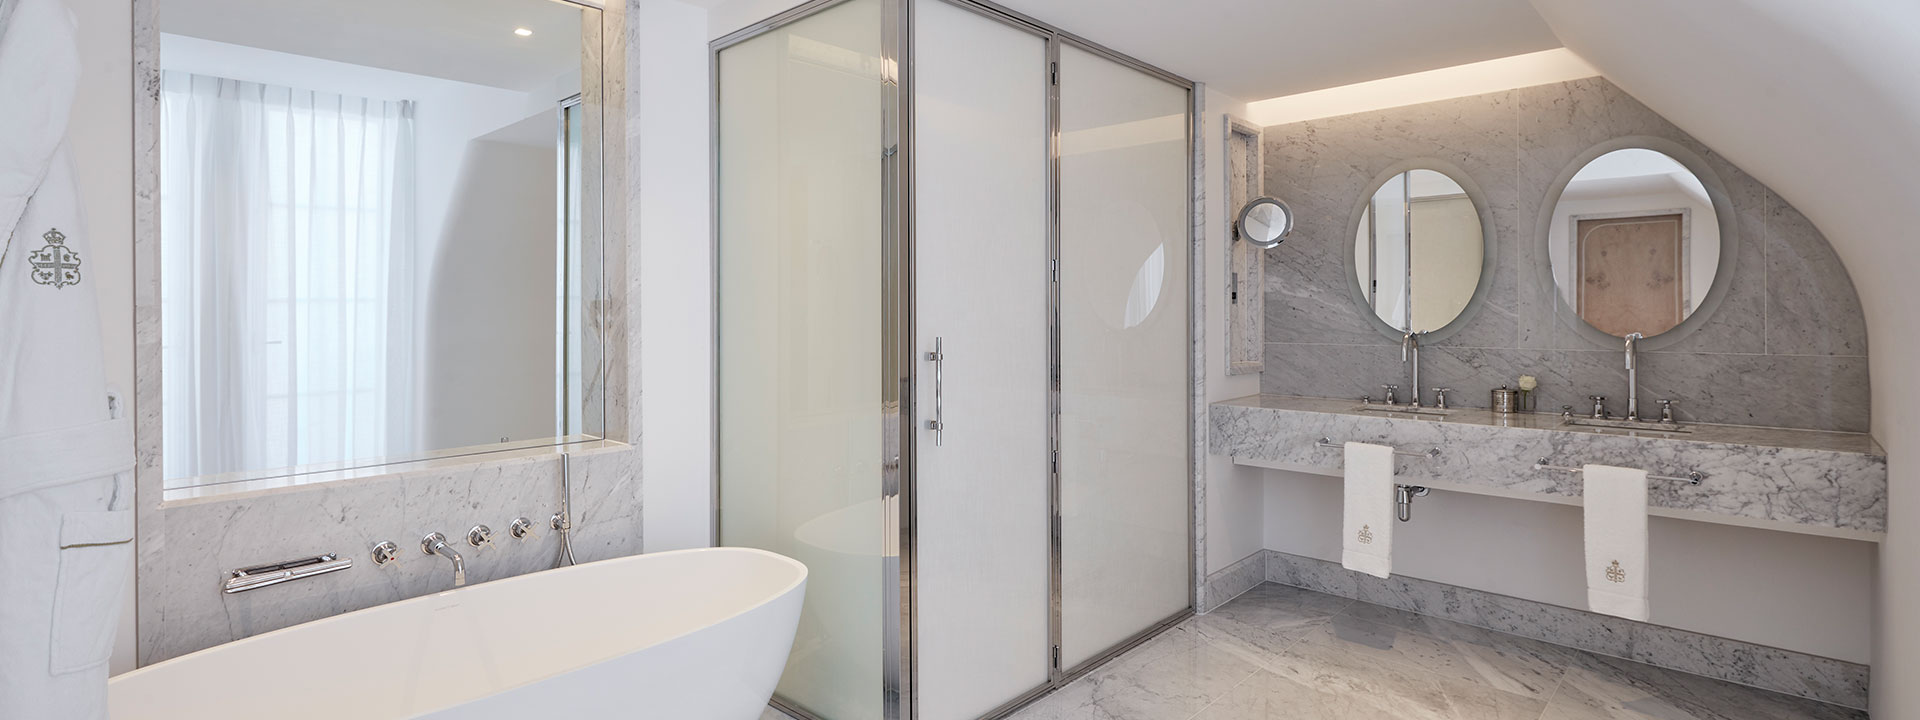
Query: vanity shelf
{"x": 1805, "y": 481}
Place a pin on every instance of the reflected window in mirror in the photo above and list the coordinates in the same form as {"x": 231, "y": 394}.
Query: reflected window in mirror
{"x": 1419, "y": 251}
{"x": 374, "y": 245}
{"x": 1634, "y": 243}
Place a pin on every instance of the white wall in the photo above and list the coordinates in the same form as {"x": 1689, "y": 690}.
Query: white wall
{"x": 100, "y": 133}
{"x": 1235, "y": 494}
{"x": 1845, "y": 151}
{"x": 671, "y": 187}
{"x": 1798, "y": 592}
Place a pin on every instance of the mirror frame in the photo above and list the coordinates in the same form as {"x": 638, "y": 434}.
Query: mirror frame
{"x": 1488, "y": 242}
{"x": 1723, "y": 214}
{"x": 1240, "y": 223}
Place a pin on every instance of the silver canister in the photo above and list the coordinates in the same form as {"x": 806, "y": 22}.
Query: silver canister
{"x": 1506, "y": 400}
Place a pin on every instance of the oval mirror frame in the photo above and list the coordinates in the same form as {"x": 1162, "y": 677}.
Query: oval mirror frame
{"x": 1268, "y": 239}
{"x": 1723, "y": 213}
{"x": 1488, "y": 247}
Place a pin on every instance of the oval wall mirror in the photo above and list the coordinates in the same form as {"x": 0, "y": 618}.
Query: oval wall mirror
{"x": 1634, "y": 243}
{"x": 1265, "y": 223}
{"x": 1419, "y": 251}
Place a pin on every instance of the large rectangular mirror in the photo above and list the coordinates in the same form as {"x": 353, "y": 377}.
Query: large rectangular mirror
{"x": 379, "y": 232}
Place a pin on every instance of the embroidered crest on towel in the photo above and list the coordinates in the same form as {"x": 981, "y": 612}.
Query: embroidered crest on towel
{"x": 1365, "y": 536}
{"x": 56, "y": 264}
{"x": 1615, "y": 573}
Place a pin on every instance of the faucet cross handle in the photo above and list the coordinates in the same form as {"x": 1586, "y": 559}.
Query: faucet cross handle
{"x": 1599, "y": 406}
{"x": 480, "y": 536}
{"x": 1390, "y": 390}
{"x": 386, "y": 553}
{"x": 1440, "y": 397}
{"x": 1666, "y": 411}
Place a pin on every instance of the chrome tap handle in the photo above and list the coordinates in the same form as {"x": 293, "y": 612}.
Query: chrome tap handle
{"x": 1440, "y": 397}
{"x": 1599, "y": 406}
{"x": 480, "y": 536}
{"x": 386, "y": 553}
{"x": 1390, "y": 390}
{"x": 1666, "y": 411}
{"x": 522, "y": 529}
{"x": 1566, "y": 412}
{"x": 938, "y": 424}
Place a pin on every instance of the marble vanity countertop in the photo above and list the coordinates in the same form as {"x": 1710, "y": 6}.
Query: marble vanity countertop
{"x": 1819, "y": 482}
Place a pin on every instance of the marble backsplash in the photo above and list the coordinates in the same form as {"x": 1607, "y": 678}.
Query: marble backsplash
{"x": 186, "y": 557}
{"x": 1790, "y": 315}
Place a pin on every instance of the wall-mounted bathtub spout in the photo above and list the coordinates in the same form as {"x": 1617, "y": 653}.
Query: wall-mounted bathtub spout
{"x": 563, "y": 520}
{"x": 1406, "y": 495}
{"x": 436, "y": 544}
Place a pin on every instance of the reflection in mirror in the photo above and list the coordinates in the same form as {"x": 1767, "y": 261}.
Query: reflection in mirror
{"x": 374, "y": 236}
{"x": 1419, "y": 251}
{"x": 1265, "y": 223}
{"x": 1634, "y": 243}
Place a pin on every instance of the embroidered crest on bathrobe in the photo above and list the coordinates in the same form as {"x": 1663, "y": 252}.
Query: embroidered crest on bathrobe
{"x": 56, "y": 264}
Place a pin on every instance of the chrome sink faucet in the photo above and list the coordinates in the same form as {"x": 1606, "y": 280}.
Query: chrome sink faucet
{"x": 436, "y": 544}
{"x": 1410, "y": 353}
{"x": 1633, "y": 375}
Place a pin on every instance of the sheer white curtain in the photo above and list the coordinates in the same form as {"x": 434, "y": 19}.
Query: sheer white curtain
{"x": 287, "y": 247}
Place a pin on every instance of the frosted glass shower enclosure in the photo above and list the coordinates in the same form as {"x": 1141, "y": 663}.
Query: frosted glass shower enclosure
{"x": 954, "y": 331}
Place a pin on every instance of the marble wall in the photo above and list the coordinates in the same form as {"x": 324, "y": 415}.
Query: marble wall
{"x": 186, "y": 546}
{"x": 1790, "y": 314}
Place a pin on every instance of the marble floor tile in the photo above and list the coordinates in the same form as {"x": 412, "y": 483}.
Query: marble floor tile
{"x": 1281, "y": 653}
{"x": 1174, "y": 675}
{"x": 1603, "y": 688}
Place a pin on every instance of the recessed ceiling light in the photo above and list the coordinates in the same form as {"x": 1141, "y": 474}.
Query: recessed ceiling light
{"x": 522, "y": 32}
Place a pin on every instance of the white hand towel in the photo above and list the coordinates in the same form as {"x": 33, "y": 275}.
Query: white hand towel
{"x": 1616, "y": 529}
{"x": 1368, "y": 526}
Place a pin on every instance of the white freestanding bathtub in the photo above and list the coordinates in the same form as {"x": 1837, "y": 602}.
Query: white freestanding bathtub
{"x": 687, "y": 635}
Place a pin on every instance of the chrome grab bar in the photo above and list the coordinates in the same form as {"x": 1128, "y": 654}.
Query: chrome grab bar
{"x": 1693, "y": 477}
{"x": 260, "y": 576}
{"x": 1430, "y": 453}
{"x": 938, "y": 424}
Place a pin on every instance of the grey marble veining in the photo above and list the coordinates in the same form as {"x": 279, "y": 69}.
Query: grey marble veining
{"x": 1197, "y": 348}
{"x": 1810, "y": 481}
{"x": 1246, "y": 264}
{"x": 187, "y": 545}
{"x": 1229, "y": 582}
{"x": 1424, "y": 605}
{"x": 1285, "y": 653}
{"x": 1790, "y": 313}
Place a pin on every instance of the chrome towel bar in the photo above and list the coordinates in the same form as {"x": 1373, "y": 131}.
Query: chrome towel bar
{"x": 1430, "y": 453}
{"x": 1693, "y": 477}
{"x": 260, "y": 576}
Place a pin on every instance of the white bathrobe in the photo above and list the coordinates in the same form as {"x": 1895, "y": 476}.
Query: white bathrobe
{"x": 66, "y": 524}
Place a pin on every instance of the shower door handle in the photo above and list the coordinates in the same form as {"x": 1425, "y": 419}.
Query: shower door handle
{"x": 938, "y": 424}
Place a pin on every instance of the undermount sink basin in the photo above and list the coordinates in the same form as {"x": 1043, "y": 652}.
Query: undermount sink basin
{"x": 1404, "y": 410}
{"x": 1612, "y": 424}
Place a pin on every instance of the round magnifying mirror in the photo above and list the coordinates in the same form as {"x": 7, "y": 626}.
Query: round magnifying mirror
{"x": 1634, "y": 243}
{"x": 1419, "y": 251}
{"x": 1265, "y": 223}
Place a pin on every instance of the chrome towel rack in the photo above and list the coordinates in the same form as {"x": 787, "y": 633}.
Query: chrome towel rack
{"x": 1430, "y": 453}
{"x": 1693, "y": 477}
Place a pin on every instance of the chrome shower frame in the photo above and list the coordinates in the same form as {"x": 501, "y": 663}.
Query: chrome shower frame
{"x": 900, "y": 360}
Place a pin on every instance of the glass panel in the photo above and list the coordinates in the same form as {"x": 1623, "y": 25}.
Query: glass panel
{"x": 801, "y": 295}
{"x": 358, "y": 237}
{"x": 1124, "y": 350}
{"x": 980, "y": 142}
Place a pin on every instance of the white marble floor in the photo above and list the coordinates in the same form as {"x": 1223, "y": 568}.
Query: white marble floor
{"x": 1279, "y": 652}
{"x": 1282, "y": 653}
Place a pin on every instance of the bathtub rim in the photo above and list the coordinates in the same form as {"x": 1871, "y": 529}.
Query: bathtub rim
{"x": 785, "y": 590}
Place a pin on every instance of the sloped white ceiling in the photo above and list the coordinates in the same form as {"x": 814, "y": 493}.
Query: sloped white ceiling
{"x": 1821, "y": 101}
